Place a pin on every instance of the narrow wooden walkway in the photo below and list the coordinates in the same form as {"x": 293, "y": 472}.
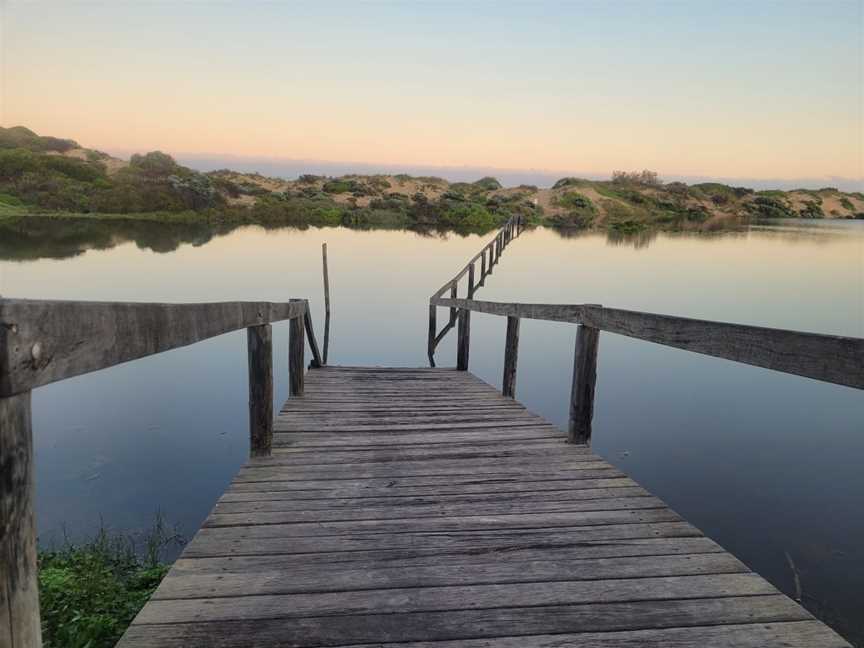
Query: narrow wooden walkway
{"x": 403, "y": 507}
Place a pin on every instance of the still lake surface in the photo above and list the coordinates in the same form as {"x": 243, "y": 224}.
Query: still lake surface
{"x": 769, "y": 465}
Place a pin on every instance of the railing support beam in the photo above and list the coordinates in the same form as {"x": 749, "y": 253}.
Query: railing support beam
{"x": 584, "y": 379}
{"x": 511, "y": 356}
{"x": 20, "y": 625}
{"x": 260, "y": 343}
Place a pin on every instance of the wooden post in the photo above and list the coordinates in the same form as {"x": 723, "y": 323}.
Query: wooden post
{"x": 260, "y": 339}
{"x": 471, "y": 286}
{"x": 433, "y": 326}
{"x": 326, "y": 303}
{"x": 511, "y": 355}
{"x": 584, "y": 379}
{"x": 296, "y": 349}
{"x": 19, "y": 590}
{"x": 464, "y": 338}
{"x": 483, "y": 267}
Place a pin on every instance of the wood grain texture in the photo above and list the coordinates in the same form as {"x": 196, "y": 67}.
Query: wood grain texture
{"x": 46, "y": 341}
{"x": 511, "y": 357}
{"x": 582, "y": 388}
{"x": 19, "y": 593}
{"x": 422, "y": 508}
{"x": 260, "y": 344}
{"x": 296, "y": 350}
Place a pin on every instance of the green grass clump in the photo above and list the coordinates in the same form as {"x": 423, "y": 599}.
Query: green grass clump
{"x": 89, "y": 593}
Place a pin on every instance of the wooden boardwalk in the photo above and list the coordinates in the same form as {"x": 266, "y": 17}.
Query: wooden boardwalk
{"x": 421, "y": 508}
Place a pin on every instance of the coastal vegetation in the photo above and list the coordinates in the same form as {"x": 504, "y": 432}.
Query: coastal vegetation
{"x": 89, "y": 592}
{"x": 57, "y": 177}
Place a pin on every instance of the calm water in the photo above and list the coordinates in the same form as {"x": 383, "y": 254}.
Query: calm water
{"x": 769, "y": 465}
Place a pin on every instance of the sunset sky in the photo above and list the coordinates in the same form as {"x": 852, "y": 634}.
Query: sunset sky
{"x": 719, "y": 89}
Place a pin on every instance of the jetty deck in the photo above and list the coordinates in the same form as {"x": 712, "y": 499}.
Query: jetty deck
{"x": 404, "y": 506}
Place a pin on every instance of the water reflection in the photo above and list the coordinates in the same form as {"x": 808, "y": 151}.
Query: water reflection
{"x": 39, "y": 237}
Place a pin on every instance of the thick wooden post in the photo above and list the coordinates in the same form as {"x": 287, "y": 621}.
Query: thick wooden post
{"x": 584, "y": 379}
{"x": 260, "y": 339}
{"x": 483, "y": 267}
{"x": 511, "y": 356}
{"x": 19, "y": 591}
{"x": 471, "y": 286}
{"x": 433, "y": 326}
{"x": 326, "y": 303}
{"x": 464, "y": 339}
{"x": 296, "y": 349}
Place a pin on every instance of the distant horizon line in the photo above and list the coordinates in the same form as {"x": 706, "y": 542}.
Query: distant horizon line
{"x": 288, "y": 168}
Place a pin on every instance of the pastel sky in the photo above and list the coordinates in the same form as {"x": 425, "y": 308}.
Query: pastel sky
{"x": 721, "y": 89}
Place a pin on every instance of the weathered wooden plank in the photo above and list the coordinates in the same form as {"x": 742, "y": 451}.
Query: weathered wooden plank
{"x": 451, "y": 524}
{"x": 511, "y": 356}
{"x": 788, "y": 634}
{"x": 295, "y": 580}
{"x": 260, "y": 344}
{"x": 249, "y": 515}
{"x": 226, "y": 541}
{"x": 297, "y": 441}
{"x": 830, "y": 358}
{"x": 19, "y": 592}
{"x": 331, "y": 630}
{"x": 501, "y": 467}
{"x": 408, "y": 505}
{"x": 285, "y": 481}
{"x": 46, "y": 341}
{"x": 466, "y": 597}
{"x": 312, "y": 426}
{"x": 249, "y": 561}
{"x": 336, "y": 455}
{"x": 408, "y": 458}
{"x": 467, "y": 492}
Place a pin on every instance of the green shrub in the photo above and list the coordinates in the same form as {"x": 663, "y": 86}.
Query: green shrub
{"x": 766, "y": 206}
{"x": 488, "y": 184}
{"x": 89, "y": 593}
{"x": 811, "y": 209}
{"x": 846, "y": 203}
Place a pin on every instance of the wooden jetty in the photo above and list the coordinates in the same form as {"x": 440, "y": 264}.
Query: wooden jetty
{"x": 412, "y": 507}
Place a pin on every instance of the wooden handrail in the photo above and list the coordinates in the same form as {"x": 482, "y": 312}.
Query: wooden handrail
{"x": 510, "y": 230}
{"x": 829, "y": 358}
{"x": 45, "y": 341}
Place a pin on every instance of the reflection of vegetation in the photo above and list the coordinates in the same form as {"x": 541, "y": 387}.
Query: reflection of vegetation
{"x": 30, "y": 238}
{"x": 89, "y": 593}
{"x": 23, "y": 239}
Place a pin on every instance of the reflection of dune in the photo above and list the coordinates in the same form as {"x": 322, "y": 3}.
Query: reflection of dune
{"x": 28, "y": 239}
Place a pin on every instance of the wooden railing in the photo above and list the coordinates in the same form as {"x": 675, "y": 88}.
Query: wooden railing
{"x": 45, "y": 341}
{"x": 488, "y": 257}
{"x": 828, "y": 358}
